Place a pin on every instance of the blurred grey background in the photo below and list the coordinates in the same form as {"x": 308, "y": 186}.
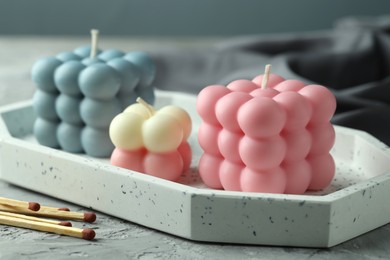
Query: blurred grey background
{"x": 178, "y": 17}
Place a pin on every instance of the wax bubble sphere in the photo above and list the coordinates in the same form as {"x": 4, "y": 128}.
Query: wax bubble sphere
{"x": 88, "y": 61}
{"x": 261, "y": 117}
{"x": 227, "y": 107}
{"x": 66, "y": 77}
{"x": 68, "y": 109}
{"x": 45, "y": 131}
{"x": 228, "y": 144}
{"x": 99, "y": 113}
{"x": 78, "y": 94}
{"x": 96, "y": 142}
{"x": 266, "y": 135}
{"x": 69, "y": 137}
{"x": 152, "y": 141}
{"x": 99, "y": 81}
{"x": 124, "y": 127}
{"x": 67, "y": 56}
{"x": 242, "y": 85}
{"x": 129, "y": 72}
{"x": 208, "y": 136}
{"x": 208, "y": 99}
{"x": 45, "y": 104}
{"x": 85, "y": 51}
{"x": 110, "y": 54}
{"x": 145, "y": 64}
{"x": 42, "y": 73}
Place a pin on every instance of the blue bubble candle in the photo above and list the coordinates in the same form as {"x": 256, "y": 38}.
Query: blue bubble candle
{"x": 79, "y": 92}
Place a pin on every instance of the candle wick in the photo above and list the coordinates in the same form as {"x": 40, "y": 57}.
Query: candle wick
{"x": 94, "y": 42}
{"x": 264, "y": 82}
{"x": 146, "y": 105}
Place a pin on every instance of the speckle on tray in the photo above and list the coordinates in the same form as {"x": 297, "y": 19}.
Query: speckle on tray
{"x": 270, "y": 200}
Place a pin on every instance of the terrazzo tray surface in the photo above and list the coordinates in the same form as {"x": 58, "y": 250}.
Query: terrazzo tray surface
{"x": 355, "y": 203}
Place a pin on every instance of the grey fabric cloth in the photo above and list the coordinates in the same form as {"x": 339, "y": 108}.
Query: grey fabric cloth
{"x": 352, "y": 60}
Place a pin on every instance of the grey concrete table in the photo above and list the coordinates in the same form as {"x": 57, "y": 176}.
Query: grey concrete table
{"x": 118, "y": 239}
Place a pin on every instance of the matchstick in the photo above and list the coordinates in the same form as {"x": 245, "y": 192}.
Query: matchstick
{"x": 20, "y": 204}
{"x": 70, "y": 215}
{"x": 87, "y": 234}
{"x": 53, "y": 208}
{"x": 58, "y": 214}
{"x": 54, "y": 222}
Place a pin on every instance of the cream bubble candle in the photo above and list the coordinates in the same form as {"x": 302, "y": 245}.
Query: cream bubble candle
{"x": 152, "y": 141}
{"x": 80, "y": 92}
{"x": 266, "y": 135}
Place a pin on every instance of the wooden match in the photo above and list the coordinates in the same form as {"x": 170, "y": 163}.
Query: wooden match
{"x": 20, "y": 204}
{"x": 58, "y": 214}
{"x": 54, "y": 222}
{"x": 69, "y": 215}
{"x": 87, "y": 234}
{"x": 53, "y": 208}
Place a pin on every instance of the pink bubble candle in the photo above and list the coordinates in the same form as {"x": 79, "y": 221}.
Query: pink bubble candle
{"x": 266, "y": 135}
{"x": 152, "y": 141}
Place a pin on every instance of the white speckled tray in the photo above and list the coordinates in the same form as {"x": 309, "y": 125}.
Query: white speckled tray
{"x": 356, "y": 202}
